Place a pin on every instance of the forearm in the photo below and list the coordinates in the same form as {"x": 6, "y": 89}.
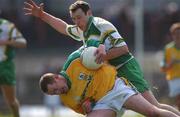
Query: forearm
{"x": 54, "y": 22}
{"x": 20, "y": 43}
{"x": 166, "y": 67}
{"x": 116, "y": 52}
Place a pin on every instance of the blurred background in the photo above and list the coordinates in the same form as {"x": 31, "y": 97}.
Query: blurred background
{"x": 143, "y": 23}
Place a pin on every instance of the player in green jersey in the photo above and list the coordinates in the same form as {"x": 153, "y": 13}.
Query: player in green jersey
{"x": 95, "y": 31}
{"x": 10, "y": 38}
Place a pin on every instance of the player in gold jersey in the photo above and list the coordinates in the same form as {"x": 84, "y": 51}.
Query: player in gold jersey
{"x": 171, "y": 63}
{"x": 97, "y": 93}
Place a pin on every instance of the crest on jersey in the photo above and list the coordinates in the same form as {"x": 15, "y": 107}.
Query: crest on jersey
{"x": 83, "y": 76}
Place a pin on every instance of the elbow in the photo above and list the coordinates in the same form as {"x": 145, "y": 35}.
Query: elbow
{"x": 21, "y": 43}
{"x": 125, "y": 50}
{"x": 163, "y": 69}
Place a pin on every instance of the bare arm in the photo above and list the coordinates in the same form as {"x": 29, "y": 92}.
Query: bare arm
{"x": 102, "y": 55}
{"x": 19, "y": 43}
{"x": 115, "y": 52}
{"x": 167, "y": 66}
{"x": 31, "y": 8}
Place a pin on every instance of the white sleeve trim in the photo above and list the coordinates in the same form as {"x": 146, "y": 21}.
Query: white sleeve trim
{"x": 121, "y": 44}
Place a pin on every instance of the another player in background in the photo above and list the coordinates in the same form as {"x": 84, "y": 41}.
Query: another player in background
{"x": 10, "y": 38}
{"x": 95, "y": 31}
{"x": 171, "y": 63}
{"x": 97, "y": 93}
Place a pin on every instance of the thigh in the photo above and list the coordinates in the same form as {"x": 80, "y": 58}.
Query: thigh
{"x": 8, "y": 92}
{"x": 102, "y": 113}
{"x": 149, "y": 96}
{"x": 139, "y": 104}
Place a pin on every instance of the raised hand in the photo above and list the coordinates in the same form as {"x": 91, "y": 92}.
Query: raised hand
{"x": 31, "y": 8}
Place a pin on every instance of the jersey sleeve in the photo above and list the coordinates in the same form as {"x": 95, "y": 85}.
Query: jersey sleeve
{"x": 163, "y": 61}
{"x": 166, "y": 56}
{"x": 73, "y": 32}
{"x": 110, "y": 37}
{"x": 74, "y": 55}
{"x": 16, "y": 34}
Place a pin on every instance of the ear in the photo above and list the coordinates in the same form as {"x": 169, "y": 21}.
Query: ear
{"x": 89, "y": 13}
{"x": 56, "y": 76}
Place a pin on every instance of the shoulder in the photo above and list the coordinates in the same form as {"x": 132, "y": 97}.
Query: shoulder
{"x": 72, "y": 57}
{"x": 103, "y": 24}
{"x": 5, "y": 24}
{"x": 170, "y": 45}
{"x": 4, "y": 21}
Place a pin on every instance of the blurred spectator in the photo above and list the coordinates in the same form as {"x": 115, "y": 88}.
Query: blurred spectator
{"x": 171, "y": 63}
{"x": 52, "y": 102}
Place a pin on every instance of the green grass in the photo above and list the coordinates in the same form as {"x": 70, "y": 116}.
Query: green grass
{"x": 3, "y": 115}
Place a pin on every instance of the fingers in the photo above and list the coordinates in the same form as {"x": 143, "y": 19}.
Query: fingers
{"x": 32, "y": 3}
{"x": 27, "y": 8}
{"x": 27, "y": 13}
{"x": 41, "y": 6}
{"x": 31, "y": 8}
{"x": 87, "y": 107}
{"x": 28, "y": 5}
{"x": 99, "y": 57}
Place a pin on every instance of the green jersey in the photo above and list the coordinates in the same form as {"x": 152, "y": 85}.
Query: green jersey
{"x": 7, "y": 32}
{"x": 100, "y": 31}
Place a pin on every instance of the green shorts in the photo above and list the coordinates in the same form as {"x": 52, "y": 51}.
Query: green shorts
{"x": 134, "y": 74}
{"x": 7, "y": 73}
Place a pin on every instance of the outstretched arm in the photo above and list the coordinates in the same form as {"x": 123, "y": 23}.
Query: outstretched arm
{"x": 31, "y": 8}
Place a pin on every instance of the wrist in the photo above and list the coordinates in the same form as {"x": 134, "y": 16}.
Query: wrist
{"x": 168, "y": 66}
{"x": 41, "y": 14}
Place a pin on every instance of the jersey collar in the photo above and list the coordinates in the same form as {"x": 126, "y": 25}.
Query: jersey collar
{"x": 88, "y": 25}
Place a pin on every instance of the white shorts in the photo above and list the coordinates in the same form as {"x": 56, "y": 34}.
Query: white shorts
{"x": 115, "y": 98}
{"x": 174, "y": 87}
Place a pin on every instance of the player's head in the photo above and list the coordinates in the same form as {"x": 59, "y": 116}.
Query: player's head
{"x": 175, "y": 32}
{"x": 84, "y": 6}
{"x": 80, "y": 12}
{"x": 53, "y": 84}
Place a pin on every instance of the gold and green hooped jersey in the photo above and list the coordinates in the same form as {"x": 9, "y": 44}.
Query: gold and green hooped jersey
{"x": 86, "y": 83}
{"x": 171, "y": 52}
{"x": 100, "y": 31}
{"x": 7, "y": 32}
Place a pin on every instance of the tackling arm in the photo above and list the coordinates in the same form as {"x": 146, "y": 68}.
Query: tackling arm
{"x": 31, "y": 8}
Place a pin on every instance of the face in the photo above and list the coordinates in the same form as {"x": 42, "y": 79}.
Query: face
{"x": 176, "y": 37}
{"x": 80, "y": 18}
{"x": 58, "y": 87}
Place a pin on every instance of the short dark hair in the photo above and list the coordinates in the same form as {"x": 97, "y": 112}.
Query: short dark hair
{"x": 79, "y": 4}
{"x": 45, "y": 80}
{"x": 174, "y": 27}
